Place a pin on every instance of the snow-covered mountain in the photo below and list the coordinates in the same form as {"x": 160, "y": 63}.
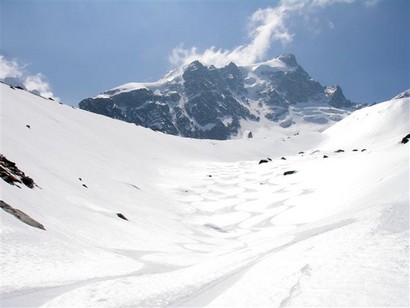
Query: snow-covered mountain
{"x": 103, "y": 213}
{"x": 223, "y": 103}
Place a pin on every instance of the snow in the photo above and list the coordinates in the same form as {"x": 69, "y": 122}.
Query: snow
{"x": 207, "y": 225}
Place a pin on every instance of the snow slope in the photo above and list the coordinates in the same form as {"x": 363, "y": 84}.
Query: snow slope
{"x": 207, "y": 225}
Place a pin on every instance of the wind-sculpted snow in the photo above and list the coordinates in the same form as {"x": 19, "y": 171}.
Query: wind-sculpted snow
{"x": 206, "y": 224}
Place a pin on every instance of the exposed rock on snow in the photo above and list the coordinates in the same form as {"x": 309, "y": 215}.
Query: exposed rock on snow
{"x": 405, "y": 139}
{"x": 11, "y": 174}
{"x": 121, "y": 216}
{"x": 20, "y": 215}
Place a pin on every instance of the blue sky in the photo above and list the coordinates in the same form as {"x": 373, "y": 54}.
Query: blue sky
{"x": 80, "y": 48}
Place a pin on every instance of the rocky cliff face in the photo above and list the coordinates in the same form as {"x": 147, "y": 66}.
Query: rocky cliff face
{"x": 208, "y": 102}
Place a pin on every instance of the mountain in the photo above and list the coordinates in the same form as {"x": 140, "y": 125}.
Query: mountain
{"x": 221, "y": 103}
{"x": 403, "y": 94}
{"x": 97, "y": 212}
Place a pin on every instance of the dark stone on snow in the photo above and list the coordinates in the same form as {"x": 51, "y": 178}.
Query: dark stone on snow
{"x": 405, "y": 139}
{"x": 20, "y": 88}
{"x": 80, "y": 179}
{"x": 270, "y": 159}
{"x": 283, "y": 158}
{"x": 20, "y": 215}
{"x": 263, "y": 161}
{"x": 11, "y": 87}
{"x": 250, "y": 135}
{"x": 289, "y": 172}
{"x": 28, "y": 126}
{"x": 355, "y": 150}
{"x": 325, "y": 156}
{"x": 27, "y": 181}
{"x": 209, "y": 175}
{"x": 51, "y": 99}
{"x": 12, "y": 175}
{"x": 121, "y": 216}
{"x": 363, "y": 150}
{"x": 339, "y": 151}
{"x": 85, "y": 186}
{"x": 301, "y": 152}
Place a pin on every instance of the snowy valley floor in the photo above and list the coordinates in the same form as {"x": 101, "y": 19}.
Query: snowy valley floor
{"x": 207, "y": 225}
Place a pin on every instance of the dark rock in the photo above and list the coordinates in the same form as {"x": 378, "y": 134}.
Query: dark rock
{"x": 289, "y": 172}
{"x": 405, "y": 139}
{"x": 363, "y": 150}
{"x": 250, "y": 135}
{"x": 20, "y": 88}
{"x": 325, "y": 156}
{"x": 11, "y": 87}
{"x": 85, "y": 186}
{"x": 355, "y": 150}
{"x": 28, "y": 126}
{"x": 51, "y": 99}
{"x": 283, "y": 158}
{"x": 270, "y": 159}
{"x": 263, "y": 161}
{"x": 20, "y": 215}
{"x": 27, "y": 181}
{"x": 80, "y": 179}
{"x": 209, "y": 175}
{"x": 339, "y": 151}
{"x": 301, "y": 152}
{"x": 11, "y": 174}
{"x": 121, "y": 216}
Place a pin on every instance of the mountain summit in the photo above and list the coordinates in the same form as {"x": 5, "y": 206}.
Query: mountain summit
{"x": 201, "y": 101}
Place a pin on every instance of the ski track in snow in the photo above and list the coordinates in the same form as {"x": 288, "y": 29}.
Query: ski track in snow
{"x": 226, "y": 211}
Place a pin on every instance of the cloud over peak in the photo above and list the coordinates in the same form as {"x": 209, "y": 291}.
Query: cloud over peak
{"x": 13, "y": 72}
{"x": 265, "y": 26}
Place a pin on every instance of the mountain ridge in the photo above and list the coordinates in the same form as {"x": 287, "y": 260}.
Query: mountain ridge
{"x": 201, "y": 101}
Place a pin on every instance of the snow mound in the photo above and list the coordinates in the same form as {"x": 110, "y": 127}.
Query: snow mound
{"x": 381, "y": 124}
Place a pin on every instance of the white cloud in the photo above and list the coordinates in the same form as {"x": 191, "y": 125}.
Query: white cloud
{"x": 12, "y": 70}
{"x": 324, "y": 3}
{"x": 9, "y": 68}
{"x": 265, "y": 27}
{"x": 37, "y": 84}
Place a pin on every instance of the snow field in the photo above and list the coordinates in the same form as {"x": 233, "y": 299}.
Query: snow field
{"x": 207, "y": 225}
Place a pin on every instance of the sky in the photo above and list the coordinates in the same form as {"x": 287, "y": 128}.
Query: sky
{"x": 73, "y": 50}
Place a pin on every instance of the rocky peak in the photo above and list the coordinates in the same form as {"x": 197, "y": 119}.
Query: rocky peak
{"x": 289, "y": 59}
{"x": 202, "y": 101}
